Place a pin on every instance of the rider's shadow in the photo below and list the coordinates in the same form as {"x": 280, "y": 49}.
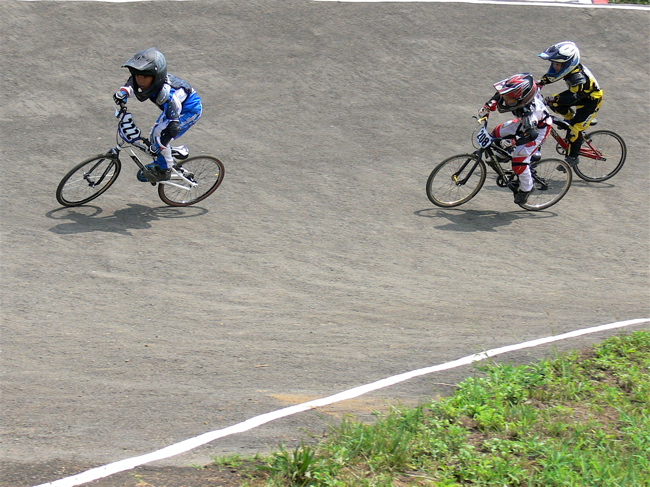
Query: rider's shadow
{"x": 477, "y": 221}
{"x": 86, "y": 219}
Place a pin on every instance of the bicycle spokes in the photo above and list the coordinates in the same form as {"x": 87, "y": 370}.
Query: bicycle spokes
{"x": 88, "y": 180}
{"x": 541, "y": 185}
{"x": 456, "y": 177}
{"x": 192, "y": 180}
{"x": 591, "y": 152}
{"x": 95, "y": 176}
{"x": 552, "y": 179}
{"x": 456, "y": 180}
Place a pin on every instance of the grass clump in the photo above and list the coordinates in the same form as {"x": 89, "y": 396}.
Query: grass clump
{"x": 581, "y": 419}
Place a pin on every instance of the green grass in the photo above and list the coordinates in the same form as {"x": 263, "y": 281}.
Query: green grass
{"x": 581, "y": 419}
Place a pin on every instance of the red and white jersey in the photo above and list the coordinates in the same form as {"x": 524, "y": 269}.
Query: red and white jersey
{"x": 535, "y": 114}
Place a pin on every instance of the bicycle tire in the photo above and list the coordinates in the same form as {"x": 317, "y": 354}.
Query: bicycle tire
{"x": 206, "y": 171}
{"x": 88, "y": 179}
{"x": 602, "y": 155}
{"x": 445, "y": 189}
{"x": 552, "y": 180}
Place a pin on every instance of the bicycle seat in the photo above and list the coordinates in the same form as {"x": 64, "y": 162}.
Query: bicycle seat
{"x": 181, "y": 152}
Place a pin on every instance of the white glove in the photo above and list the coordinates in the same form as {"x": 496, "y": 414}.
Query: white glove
{"x": 549, "y": 100}
{"x": 507, "y": 143}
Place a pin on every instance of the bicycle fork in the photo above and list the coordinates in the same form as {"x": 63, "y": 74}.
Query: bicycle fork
{"x": 114, "y": 156}
{"x": 455, "y": 177}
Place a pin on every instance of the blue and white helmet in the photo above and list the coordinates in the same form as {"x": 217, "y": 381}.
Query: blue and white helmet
{"x": 565, "y": 52}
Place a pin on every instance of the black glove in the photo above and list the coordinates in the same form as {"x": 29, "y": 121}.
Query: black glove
{"x": 154, "y": 149}
{"x": 120, "y": 97}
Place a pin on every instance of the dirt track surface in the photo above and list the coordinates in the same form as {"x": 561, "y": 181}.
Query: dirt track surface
{"x": 319, "y": 264}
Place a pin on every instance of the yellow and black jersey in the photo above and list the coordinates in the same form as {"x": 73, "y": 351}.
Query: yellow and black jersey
{"x": 582, "y": 85}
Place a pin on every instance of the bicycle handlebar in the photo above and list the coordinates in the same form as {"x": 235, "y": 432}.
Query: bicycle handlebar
{"x": 484, "y": 120}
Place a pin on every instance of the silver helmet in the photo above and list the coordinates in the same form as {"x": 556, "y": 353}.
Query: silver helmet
{"x": 150, "y": 62}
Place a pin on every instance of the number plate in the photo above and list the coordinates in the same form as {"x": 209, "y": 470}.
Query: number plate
{"x": 483, "y": 138}
{"x": 129, "y": 131}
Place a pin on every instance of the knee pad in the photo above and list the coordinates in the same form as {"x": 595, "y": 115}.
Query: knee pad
{"x": 574, "y": 133}
{"x": 170, "y": 132}
{"x": 519, "y": 167}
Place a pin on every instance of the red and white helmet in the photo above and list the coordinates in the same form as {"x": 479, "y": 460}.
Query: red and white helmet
{"x": 519, "y": 88}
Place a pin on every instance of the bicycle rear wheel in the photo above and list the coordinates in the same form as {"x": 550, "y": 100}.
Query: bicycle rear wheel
{"x": 552, "y": 179}
{"x": 87, "y": 180}
{"x": 602, "y": 155}
{"x": 205, "y": 174}
{"x": 456, "y": 180}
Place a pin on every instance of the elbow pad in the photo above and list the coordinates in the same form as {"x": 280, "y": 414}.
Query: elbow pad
{"x": 171, "y": 112}
{"x": 576, "y": 78}
{"x": 527, "y": 136}
{"x": 163, "y": 95}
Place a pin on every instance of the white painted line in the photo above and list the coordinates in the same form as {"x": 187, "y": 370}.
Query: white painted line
{"x": 187, "y": 445}
{"x": 104, "y": 1}
{"x": 541, "y": 3}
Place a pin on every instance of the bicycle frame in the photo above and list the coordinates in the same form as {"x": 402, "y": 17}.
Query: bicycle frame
{"x": 129, "y": 136}
{"x": 491, "y": 154}
{"x": 495, "y": 155}
{"x": 586, "y": 150}
{"x": 189, "y": 180}
{"x": 459, "y": 178}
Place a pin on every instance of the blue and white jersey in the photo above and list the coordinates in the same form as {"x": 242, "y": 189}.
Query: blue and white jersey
{"x": 175, "y": 97}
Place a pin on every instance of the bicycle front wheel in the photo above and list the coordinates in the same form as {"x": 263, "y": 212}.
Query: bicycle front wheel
{"x": 602, "y": 155}
{"x": 201, "y": 176}
{"x": 456, "y": 180}
{"x": 551, "y": 179}
{"x": 88, "y": 180}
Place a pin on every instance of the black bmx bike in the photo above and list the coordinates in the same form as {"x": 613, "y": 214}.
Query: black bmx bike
{"x": 192, "y": 178}
{"x": 458, "y": 179}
